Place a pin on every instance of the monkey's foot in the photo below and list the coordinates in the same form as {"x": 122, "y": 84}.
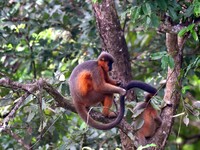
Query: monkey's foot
{"x": 112, "y": 115}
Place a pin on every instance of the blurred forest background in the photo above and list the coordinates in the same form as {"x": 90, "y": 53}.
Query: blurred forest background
{"x": 48, "y": 38}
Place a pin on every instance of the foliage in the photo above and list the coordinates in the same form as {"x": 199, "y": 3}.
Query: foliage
{"x": 47, "y": 38}
{"x": 147, "y": 146}
{"x": 44, "y": 39}
{"x": 40, "y": 37}
{"x": 150, "y": 13}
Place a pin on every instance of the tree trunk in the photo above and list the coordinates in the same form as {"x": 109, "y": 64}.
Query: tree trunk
{"x": 112, "y": 38}
{"x": 174, "y": 46}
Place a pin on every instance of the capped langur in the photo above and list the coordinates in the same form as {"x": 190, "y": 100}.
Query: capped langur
{"x": 90, "y": 84}
{"x": 151, "y": 117}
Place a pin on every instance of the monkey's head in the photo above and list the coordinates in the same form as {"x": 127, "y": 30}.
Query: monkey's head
{"x": 106, "y": 60}
{"x": 149, "y": 96}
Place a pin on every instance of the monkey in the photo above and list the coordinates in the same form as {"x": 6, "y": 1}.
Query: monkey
{"x": 152, "y": 120}
{"x": 90, "y": 84}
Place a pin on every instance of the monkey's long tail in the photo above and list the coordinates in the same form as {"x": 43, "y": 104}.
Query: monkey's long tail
{"x": 82, "y": 111}
{"x": 141, "y": 85}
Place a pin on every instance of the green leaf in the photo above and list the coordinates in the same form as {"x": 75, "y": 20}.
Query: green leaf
{"x": 146, "y": 9}
{"x": 138, "y": 123}
{"x": 146, "y": 146}
{"x": 131, "y": 136}
{"x": 167, "y": 61}
{"x": 189, "y": 11}
{"x": 194, "y": 35}
{"x": 182, "y": 32}
{"x": 148, "y": 20}
{"x": 192, "y": 31}
{"x": 65, "y": 19}
{"x": 43, "y": 104}
{"x": 197, "y": 8}
{"x": 195, "y": 112}
{"x": 158, "y": 55}
{"x": 83, "y": 126}
{"x": 136, "y": 113}
{"x": 96, "y": 1}
{"x": 171, "y": 62}
{"x": 185, "y": 88}
{"x": 164, "y": 62}
{"x": 15, "y": 8}
{"x": 39, "y": 2}
{"x": 135, "y": 12}
{"x": 148, "y": 6}
{"x": 45, "y": 16}
{"x": 162, "y": 4}
{"x": 155, "y": 20}
{"x": 191, "y": 66}
{"x": 30, "y": 116}
{"x": 173, "y": 14}
{"x": 191, "y": 26}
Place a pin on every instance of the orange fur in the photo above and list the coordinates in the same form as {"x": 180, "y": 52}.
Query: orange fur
{"x": 152, "y": 120}
{"x": 104, "y": 65}
{"x": 107, "y": 103}
{"x": 149, "y": 127}
{"x": 85, "y": 82}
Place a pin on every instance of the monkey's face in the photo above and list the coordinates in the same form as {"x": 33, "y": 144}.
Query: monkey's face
{"x": 110, "y": 65}
{"x": 106, "y": 64}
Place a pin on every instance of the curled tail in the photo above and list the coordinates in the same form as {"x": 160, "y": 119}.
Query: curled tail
{"x": 141, "y": 85}
{"x": 82, "y": 111}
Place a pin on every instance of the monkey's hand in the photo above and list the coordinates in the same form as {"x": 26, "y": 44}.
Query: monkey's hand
{"x": 123, "y": 92}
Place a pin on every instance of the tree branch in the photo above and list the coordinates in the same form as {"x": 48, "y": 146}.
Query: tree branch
{"x": 15, "y": 108}
{"x": 62, "y": 101}
{"x": 18, "y": 139}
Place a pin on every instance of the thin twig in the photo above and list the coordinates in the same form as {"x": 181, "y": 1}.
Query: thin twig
{"x": 15, "y": 108}
{"x": 18, "y": 139}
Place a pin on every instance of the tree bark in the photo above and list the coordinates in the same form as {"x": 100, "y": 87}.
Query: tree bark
{"x": 174, "y": 46}
{"x": 112, "y": 38}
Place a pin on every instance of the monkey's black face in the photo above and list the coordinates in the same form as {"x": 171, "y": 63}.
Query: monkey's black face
{"x": 110, "y": 65}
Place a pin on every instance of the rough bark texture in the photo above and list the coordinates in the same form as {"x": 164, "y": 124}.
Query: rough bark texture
{"x": 112, "y": 38}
